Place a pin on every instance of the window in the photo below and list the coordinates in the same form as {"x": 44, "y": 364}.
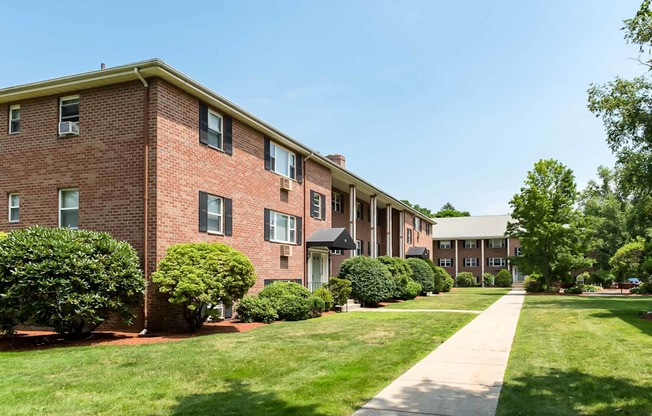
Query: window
{"x": 14, "y": 208}
{"x": 417, "y": 224}
{"x": 471, "y": 262}
{"x": 283, "y": 161}
{"x": 445, "y": 244}
{"x": 428, "y": 228}
{"x": 496, "y": 243}
{"x": 446, "y": 262}
{"x": 69, "y": 109}
{"x": 69, "y": 208}
{"x": 358, "y": 247}
{"x": 517, "y": 251}
{"x": 497, "y": 262}
{"x": 337, "y": 202}
{"x": 470, "y": 243}
{"x": 336, "y": 252}
{"x": 358, "y": 210}
{"x": 283, "y": 228}
{"x": 409, "y": 236}
{"x": 317, "y": 205}
{"x": 14, "y": 119}
{"x": 215, "y": 130}
{"x": 214, "y": 214}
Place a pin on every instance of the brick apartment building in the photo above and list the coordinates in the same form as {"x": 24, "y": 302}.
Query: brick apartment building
{"x": 153, "y": 157}
{"x": 475, "y": 244}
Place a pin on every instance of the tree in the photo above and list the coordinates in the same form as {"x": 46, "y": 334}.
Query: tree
{"x": 448, "y": 211}
{"x": 425, "y": 211}
{"x": 553, "y": 235}
{"x": 629, "y": 259}
{"x": 201, "y": 275}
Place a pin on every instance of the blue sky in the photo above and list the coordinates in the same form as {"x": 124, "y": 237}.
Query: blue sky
{"x": 431, "y": 101}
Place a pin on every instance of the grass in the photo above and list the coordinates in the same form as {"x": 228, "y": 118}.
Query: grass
{"x": 472, "y": 298}
{"x": 580, "y": 355}
{"x": 326, "y": 366}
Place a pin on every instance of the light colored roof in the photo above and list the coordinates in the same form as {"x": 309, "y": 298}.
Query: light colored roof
{"x": 459, "y": 228}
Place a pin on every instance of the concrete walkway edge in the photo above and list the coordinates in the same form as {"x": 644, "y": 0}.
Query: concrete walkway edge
{"x": 463, "y": 376}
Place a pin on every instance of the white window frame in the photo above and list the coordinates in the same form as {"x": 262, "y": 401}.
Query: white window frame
{"x": 467, "y": 244}
{"x": 445, "y": 262}
{"x": 445, "y": 244}
{"x": 471, "y": 262}
{"x": 12, "y": 120}
{"x": 358, "y": 210}
{"x": 220, "y": 132}
{"x": 292, "y": 161}
{"x": 291, "y": 236}
{"x": 336, "y": 252}
{"x": 497, "y": 262}
{"x": 497, "y": 243}
{"x": 317, "y": 203}
{"x": 12, "y": 207}
{"x": 358, "y": 247}
{"x": 218, "y": 215}
{"x": 519, "y": 251}
{"x": 409, "y": 236}
{"x": 417, "y": 224}
{"x": 61, "y": 191}
{"x": 337, "y": 202}
{"x": 68, "y": 98}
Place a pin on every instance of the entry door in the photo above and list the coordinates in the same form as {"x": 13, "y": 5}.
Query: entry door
{"x": 318, "y": 272}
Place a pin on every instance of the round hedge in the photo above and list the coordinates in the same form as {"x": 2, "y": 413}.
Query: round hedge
{"x": 423, "y": 274}
{"x": 503, "y": 279}
{"x": 465, "y": 279}
{"x": 439, "y": 276}
{"x": 401, "y": 273}
{"x": 371, "y": 282}
{"x": 292, "y": 301}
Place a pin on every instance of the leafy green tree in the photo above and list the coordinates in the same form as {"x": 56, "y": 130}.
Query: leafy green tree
{"x": 449, "y": 211}
{"x": 425, "y": 211}
{"x": 554, "y": 237}
{"x": 629, "y": 259}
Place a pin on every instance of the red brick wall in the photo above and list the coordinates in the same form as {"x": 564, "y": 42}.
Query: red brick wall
{"x": 340, "y": 219}
{"x": 474, "y": 253}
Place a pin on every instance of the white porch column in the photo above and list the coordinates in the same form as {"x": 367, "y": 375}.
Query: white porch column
{"x": 389, "y": 230}
{"x": 457, "y": 267}
{"x": 509, "y": 267}
{"x": 352, "y": 215}
{"x": 374, "y": 226}
{"x": 483, "y": 262}
{"x": 401, "y": 232}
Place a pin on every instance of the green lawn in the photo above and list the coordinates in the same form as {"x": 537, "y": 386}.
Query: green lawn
{"x": 580, "y": 355}
{"x": 471, "y": 298}
{"x": 326, "y": 366}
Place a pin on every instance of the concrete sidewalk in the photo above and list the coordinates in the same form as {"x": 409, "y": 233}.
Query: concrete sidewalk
{"x": 463, "y": 376}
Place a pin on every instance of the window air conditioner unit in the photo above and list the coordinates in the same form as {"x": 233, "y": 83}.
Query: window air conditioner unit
{"x": 68, "y": 128}
{"x": 286, "y": 184}
{"x": 286, "y": 250}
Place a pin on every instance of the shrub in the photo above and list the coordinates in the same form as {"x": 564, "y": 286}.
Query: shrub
{"x": 70, "y": 280}
{"x": 317, "y": 306}
{"x": 488, "y": 279}
{"x": 643, "y": 289}
{"x": 504, "y": 279}
{"x": 340, "y": 289}
{"x": 602, "y": 278}
{"x": 449, "y": 282}
{"x": 256, "y": 309}
{"x": 326, "y": 296}
{"x": 371, "y": 282}
{"x": 199, "y": 275}
{"x": 412, "y": 290}
{"x": 533, "y": 283}
{"x": 581, "y": 288}
{"x": 3, "y": 235}
{"x": 401, "y": 274}
{"x": 291, "y": 301}
{"x": 439, "y": 274}
{"x": 575, "y": 290}
{"x": 465, "y": 279}
{"x": 583, "y": 278}
{"x": 422, "y": 274}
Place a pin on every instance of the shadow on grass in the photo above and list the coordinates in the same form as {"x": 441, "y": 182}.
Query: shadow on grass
{"x": 572, "y": 393}
{"x": 239, "y": 399}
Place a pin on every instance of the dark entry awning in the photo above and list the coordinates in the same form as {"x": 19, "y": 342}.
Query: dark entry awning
{"x": 420, "y": 252}
{"x": 333, "y": 238}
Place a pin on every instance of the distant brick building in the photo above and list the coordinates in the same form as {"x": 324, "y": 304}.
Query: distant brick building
{"x": 475, "y": 244}
{"x": 153, "y": 157}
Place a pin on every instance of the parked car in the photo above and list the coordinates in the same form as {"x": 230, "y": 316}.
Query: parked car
{"x": 634, "y": 281}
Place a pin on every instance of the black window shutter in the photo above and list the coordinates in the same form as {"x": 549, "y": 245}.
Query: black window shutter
{"x": 369, "y": 213}
{"x": 299, "y": 231}
{"x": 203, "y": 123}
{"x": 203, "y": 211}
{"x": 313, "y": 207}
{"x": 228, "y": 216}
{"x": 268, "y": 157}
{"x": 299, "y": 169}
{"x": 267, "y": 224}
{"x": 369, "y": 248}
{"x": 516, "y": 251}
{"x": 228, "y": 135}
{"x": 323, "y": 207}
{"x": 487, "y": 261}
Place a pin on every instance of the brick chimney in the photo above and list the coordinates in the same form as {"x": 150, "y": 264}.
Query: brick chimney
{"x": 338, "y": 159}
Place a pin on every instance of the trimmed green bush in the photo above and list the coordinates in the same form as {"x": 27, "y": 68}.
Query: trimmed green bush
{"x": 438, "y": 275}
{"x": 199, "y": 275}
{"x": 317, "y": 306}
{"x": 2, "y": 235}
{"x": 504, "y": 278}
{"x": 412, "y": 290}
{"x": 465, "y": 279}
{"x": 489, "y": 279}
{"x": 577, "y": 289}
{"x": 534, "y": 283}
{"x": 401, "y": 274}
{"x": 291, "y": 301}
{"x": 70, "y": 280}
{"x": 340, "y": 289}
{"x": 326, "y": 296}
{"x": 643, "y": 289}
{"x": 449, "y": 282}
{"x": 422, "y": 274}
{"x": 256, "y": 309}
{"x": 371, "y": 282}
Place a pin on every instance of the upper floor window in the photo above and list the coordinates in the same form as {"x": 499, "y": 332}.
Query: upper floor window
{"x": 215, "y": 130}
{"x": 473, "y": 262}
{"x": 417, "y": 224}
{"x": 445, "y": 262}
{"x": 14, "y": 208}
{"x": 496, "y": 243}
{"x": 14, "y": 119}
{"x": 336, "y": 252}
{"x": 69, "y": 208}
{"x": 470, "y": 243}
{"x": 283, "y": 228}
{"x": 517, "y": 251}
{"x": 409, "y": 236}
{"x": 358, "y": 210}
{"x": 214, "y": 214}
{"x": 337, "y": 202}
{"x": 69, "y": 109}
{"x": 283, "y": 161}
{"x": 497, "y": 262}
{"x": 317, "y": 205}
{"x": 358, "y": 247}
{"x": 445, "y": 244}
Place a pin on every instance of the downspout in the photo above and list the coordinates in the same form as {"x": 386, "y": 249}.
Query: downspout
{"x": 305, "y": 222}
{"x": 145, "y": 199}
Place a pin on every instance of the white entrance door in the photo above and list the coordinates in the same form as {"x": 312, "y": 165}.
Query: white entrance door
{"x": 317, "y": 270}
